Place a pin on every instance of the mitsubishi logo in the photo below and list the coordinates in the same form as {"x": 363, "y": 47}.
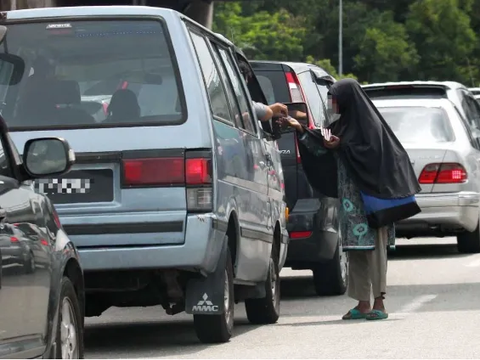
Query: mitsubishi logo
{"x": 205, "y": 300}
{"x": 205, "y": 305}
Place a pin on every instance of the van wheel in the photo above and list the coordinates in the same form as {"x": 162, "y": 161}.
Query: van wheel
{"x": 266, "y": 310}
{"x": 331, "y": 277}
{"x": 69, "y": 338}
{"x": 469, "y": 242}
{"x": 218, "y": 328}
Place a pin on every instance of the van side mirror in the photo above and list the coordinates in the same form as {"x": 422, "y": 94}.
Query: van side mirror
{"x": 299, "y": 111}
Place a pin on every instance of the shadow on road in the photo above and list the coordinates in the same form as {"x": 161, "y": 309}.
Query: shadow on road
{"x": 160, "y": 338}
{"x": 433, "y": 251}
{"x": 300, "y": 287}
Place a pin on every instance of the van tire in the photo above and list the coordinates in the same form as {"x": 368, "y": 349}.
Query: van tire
{"x": 266, "y": 310}
{"x": 469, "y": 242}
{"x": 331, "y": 278}
{"x": 212, "y": 329}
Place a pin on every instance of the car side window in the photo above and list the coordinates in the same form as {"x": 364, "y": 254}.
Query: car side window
{"x": 468, "y": 130}
{"x": 315, "y": 102}
{"x": 471, "y": 113}
{"x": 213, "y": 83}
{"x": 242, "y": 98}
{"x": 230, "y": 92}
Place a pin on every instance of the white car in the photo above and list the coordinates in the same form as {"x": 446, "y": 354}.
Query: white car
{"x": 446, "y": 158}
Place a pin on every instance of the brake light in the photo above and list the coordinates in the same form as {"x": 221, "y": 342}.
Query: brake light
{"x": 300, "y": 234}
{"x": 193, "y": 173}
{"x": 198, "y": 172}
{"x": 13, "y": 239}
{"x": 443, "y": 173}
{"x": 198, "y": 181}
{"x": 154, "y": 171}
{"x": 294, "y": 87}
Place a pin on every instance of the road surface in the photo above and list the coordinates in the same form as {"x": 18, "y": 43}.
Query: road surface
{"x": 433, "y": 300}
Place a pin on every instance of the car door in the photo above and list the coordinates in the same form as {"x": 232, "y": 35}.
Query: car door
{"x": 255, "y": 209}
{"x": 25, "y": 289}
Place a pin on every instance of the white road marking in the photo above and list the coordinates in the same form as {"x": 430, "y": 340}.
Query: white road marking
{"x": 415, "y": 304}
{"x": 474, "y": 263}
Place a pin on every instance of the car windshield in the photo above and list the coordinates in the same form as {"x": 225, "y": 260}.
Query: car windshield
{"x": 418, "y": 124}
{"x": 91, "y": 73}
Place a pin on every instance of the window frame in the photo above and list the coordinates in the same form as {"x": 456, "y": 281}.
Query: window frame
{"x": 200, "y": 33}
{"x": 243, "y": 88}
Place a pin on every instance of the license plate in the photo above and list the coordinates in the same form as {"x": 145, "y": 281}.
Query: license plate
{"x": 78, "y": 186}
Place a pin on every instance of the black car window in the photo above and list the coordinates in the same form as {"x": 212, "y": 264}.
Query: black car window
{"x": 213, "y": 84}
{"x": 242, "y": 98}
{"x": 314, "y": 99}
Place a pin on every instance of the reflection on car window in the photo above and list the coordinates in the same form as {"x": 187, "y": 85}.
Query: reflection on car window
{"x": 96, "y": 72}
{"x": 429, "y": 124}
{"x": 216, "y": 92}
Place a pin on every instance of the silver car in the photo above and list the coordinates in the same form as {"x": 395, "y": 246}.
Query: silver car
{"x": 446, "y": 158}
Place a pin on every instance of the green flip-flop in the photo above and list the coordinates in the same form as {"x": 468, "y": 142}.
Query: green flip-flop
{"x": 376, "y": 315}
{"x": 354, "y": 314}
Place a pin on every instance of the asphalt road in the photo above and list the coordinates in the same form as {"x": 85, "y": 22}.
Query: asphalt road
{"x": 433, "y": 300}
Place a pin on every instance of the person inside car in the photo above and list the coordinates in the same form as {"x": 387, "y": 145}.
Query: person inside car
{"x": 263, "y": 112}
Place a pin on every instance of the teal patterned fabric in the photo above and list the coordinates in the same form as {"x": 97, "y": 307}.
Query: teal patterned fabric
{"x": 356, "y": 234}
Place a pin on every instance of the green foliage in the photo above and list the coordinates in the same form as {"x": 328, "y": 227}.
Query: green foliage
{"x": 383, "y": 40}
{"x": 262, "y": 35}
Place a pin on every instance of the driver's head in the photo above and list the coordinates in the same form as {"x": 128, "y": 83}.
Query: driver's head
{"x": 245, "y": 70}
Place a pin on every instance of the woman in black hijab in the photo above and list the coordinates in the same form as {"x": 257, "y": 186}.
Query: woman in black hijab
{"x": 365, "y": 166}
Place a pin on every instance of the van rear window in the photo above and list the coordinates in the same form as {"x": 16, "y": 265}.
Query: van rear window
{"x": 91, "y": 74}
{"x": 394, "y": 92}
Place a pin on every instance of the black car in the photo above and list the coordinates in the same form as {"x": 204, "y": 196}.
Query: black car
{"x": 41, "y": 280}
{"x": 313, "y": 226}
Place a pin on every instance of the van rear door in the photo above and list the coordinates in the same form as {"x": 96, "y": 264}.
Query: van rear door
{"x": 134, "y": 172}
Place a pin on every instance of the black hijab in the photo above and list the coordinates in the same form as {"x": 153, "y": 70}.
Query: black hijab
{"x": 371, "y": 153}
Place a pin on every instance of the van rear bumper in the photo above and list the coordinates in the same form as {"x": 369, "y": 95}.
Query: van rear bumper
{"x": 203, "y": 243}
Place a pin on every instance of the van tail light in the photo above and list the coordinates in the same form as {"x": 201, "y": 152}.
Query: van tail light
{"x": 193, "y": 173}
{"x": 154, "y": 171}
{"x": 443, "y": 173}
{"x": 294, "y": 87}
{"x": 13, "y": 239}
{"x": 297, "y": 94}
{"x": 199, "y": 184}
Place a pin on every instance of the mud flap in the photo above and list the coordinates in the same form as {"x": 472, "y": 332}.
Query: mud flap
{"x": 205, "y": 295}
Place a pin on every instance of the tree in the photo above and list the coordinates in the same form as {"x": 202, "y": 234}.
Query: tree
{"x": 444, "y": 38}
{"x": 384, "y": 52}
{"x": 277, "y": 36}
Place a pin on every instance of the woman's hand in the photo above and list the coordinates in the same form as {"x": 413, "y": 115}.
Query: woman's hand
{"x": 291, "y": 122}
{"x": 333, "y": 143}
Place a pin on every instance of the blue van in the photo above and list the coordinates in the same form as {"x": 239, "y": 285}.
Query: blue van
{"x": 177, "y": 196}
